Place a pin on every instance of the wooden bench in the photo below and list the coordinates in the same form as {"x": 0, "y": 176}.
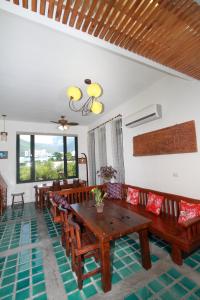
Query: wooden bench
{"x": 183, "y": 238}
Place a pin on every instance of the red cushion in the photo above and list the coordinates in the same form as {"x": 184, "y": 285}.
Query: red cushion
{"x": 133, "y": 196}
{"x": 188, "y": 211}
{"x": 154, "y": 203}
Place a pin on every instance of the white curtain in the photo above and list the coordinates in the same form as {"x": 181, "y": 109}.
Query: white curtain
{"x": 102, "y": 147}
{"x": 91, "y": 158}
{"x": 117, "y": 149}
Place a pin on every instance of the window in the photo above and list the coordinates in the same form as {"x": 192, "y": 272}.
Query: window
{"x": 46, "y": 157}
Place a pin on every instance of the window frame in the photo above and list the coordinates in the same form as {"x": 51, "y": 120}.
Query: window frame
{"x": 32, "y": 161}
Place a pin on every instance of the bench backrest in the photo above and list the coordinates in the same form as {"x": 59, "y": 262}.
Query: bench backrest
{"x": 170, "y": 204}
{"x": 79, "y": 194}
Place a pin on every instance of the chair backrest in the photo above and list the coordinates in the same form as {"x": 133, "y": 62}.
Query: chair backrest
{"x": 75, "y": 233}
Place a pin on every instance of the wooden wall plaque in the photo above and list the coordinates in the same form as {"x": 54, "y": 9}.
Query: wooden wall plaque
{"x": 180, "y": 138}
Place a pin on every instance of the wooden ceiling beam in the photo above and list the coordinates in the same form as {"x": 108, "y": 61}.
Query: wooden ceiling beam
{"x": 59, "y": 8}
{"x": 141, "y": 25}
{"x": 66, "y": 12}
{"x": 74, "y": 13}
{"x": 42, "y": 7}
{"x": 34, "y": 5}
{"x": 51, "y": 8}
{"x": 165, "y": 31}
{"x": 25, "y": 3}
{"x": 161, "y": 31}
{"x": 104, "y": 17}
{"x": 82, "y": 14}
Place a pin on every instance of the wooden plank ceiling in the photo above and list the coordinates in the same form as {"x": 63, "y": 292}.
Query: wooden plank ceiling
{"x": 165, "y": 31}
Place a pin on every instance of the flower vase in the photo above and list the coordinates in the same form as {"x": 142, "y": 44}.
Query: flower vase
{"x": 100, "y": 208}
{"x": 106, "y": 180}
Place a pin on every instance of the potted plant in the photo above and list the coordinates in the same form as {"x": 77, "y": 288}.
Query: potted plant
{"x": 107, "y": 173}
{"x": 99, "y": 199}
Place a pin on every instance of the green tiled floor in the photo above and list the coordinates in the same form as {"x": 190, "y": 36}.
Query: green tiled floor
{"x": 54, "y": 229}
{"x": 160, "y": 243}
{"x": 171, "y": 285}
{"x": 126, "y": 262}
{"x": 22, "y": 276}
{"x": 22, "y": 273}
{"x": 28, "y": 211}
{"x": 193, "y": 261}
{"x": 18, "y": 234}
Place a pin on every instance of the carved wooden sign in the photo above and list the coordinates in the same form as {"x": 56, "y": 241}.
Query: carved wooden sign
{"x": 180, "y": 138}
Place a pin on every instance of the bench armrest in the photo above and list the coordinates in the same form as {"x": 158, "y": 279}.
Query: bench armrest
{"x": 191, "y": 222}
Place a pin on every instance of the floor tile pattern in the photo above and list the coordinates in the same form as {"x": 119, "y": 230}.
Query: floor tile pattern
{"x": 54, "y": 229}
{"x": 193, "y": 261}
{"x": 171, "y": 285}
{"x": 13, "y": 235}
{"x": 28, "y": 211}
{"x": 22, "y": 273}
{"x": 22, "y": 276}
{"x": 126, "y": 261}
{"x": 160, "y": 243}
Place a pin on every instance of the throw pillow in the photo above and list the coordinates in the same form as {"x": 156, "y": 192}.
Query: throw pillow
{"x": 154, "y": 203}
{"x": 188, "y": 211}
{"x": 64, "y": 204}
{"x": 114, "y": 190}
{"x": 132, "y": 196}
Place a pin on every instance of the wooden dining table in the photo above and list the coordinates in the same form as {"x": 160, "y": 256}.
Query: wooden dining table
{"x": 114, "y": 222}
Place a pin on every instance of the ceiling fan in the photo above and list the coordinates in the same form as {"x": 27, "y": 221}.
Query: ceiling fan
{"x": 63, "y": 124}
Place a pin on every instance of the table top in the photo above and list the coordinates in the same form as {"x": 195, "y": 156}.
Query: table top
{"x": 115, "y": 221}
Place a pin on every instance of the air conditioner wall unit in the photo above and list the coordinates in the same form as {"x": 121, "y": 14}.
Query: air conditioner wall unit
{"x": 147, "y": 114}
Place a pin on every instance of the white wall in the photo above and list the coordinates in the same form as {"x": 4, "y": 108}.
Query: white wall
{"x": 8, "y": 166}
{"x": 175, "y": 173}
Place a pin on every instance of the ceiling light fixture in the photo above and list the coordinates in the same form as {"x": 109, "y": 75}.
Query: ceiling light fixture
{"x": 92, "y": 104}
{"x": 63, "y": 127}
{"x": 4, "y": 134}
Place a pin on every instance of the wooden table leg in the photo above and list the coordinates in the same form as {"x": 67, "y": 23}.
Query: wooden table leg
{"x": 105, "y": 265}
{"x": 40, "y": 200}
{"x": 145, "y": 251}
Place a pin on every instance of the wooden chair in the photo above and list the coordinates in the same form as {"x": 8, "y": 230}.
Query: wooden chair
{"x": 56, "y": 186}
{"x": 65, "y": 234}
{"x": 83, "y": 245}
{"x": 37, "y": 204}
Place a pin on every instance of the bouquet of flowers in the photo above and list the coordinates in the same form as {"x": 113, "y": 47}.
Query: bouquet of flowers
{"x": 99, "y": 196}
{"x": 107, "y": 173}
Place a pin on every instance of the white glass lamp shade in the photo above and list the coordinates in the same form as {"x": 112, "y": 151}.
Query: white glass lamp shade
{"x": 4, "y": 136}
{"x": 74, "y": 93}
{"x": 97, "y": 107}
{"x": 94, "y": 90}
{"x": 62, "y": 128}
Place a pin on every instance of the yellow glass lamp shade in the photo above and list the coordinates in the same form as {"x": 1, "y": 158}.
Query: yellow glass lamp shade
{"x": 94, "y": 90}
{"x": 97, "y": 107}
{"x": 74, "y": 93}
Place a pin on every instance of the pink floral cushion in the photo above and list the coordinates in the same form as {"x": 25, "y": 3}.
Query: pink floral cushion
{"x": 188, "y": 211}
{"x": 132, "y": 196}
{"x": 154, "y": 203}
{"x": 114, "y": 190}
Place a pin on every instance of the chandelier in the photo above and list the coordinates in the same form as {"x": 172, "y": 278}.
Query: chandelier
{"x": 3, "y": 133}
{"x": 92, "y": 104}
